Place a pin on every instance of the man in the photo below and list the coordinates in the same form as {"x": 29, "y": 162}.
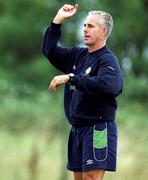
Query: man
{"x": 93, "y": 80}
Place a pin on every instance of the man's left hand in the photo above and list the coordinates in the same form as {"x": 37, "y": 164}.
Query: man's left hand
{"x": 57, "y": 80}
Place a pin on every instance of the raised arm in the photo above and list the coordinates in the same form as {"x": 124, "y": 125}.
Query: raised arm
{"x": 60, "y": 58}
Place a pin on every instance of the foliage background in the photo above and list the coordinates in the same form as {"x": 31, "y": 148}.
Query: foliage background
{"x": 33, "y": 129}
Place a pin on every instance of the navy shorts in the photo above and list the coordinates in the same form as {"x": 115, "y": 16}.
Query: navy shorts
{"x": 93, "y": 147}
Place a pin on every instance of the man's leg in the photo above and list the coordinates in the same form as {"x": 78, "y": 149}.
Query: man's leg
{"x": 78, "y": 176}
{"x": 94, "y": 175}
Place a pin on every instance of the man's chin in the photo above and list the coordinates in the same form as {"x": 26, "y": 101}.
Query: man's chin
{"x": 87, "y": 43}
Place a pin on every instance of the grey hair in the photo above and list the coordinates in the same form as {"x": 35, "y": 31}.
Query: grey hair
{"x": 106, "y": 20}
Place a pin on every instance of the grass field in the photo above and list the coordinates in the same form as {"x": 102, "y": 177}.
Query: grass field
{"x": 35, "y": 148}
{"x": 36, "y": 155}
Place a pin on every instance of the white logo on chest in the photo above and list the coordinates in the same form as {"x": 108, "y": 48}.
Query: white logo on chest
{"x": 88, "y": 70}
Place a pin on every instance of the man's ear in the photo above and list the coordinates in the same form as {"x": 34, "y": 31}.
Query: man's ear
{"x": 104, "y": 31}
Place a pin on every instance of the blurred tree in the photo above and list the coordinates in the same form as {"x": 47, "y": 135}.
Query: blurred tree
{"x": 21, "y": 26}
{"x": 23, "y": 22}
{"x": 129, "y": 37}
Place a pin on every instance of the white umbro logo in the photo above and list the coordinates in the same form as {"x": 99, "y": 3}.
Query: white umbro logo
{"x": 89, "y": 161}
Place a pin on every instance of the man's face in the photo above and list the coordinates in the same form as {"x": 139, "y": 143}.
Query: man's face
{"x": 93, "y": 31}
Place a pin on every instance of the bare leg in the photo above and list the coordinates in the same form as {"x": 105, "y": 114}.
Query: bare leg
{"x": 78, "y": 176}
{"x": 94, "y": 175}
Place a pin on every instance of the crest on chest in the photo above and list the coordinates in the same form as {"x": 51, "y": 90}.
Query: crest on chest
{"x": 88, "y": 70}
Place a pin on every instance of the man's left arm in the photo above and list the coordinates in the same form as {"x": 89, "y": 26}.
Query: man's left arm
{"x": 108, "y": 80}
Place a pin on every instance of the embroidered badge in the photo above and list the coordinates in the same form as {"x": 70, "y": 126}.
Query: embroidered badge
{"x": 74, "y": 67}
{"x": 88, "y": 70}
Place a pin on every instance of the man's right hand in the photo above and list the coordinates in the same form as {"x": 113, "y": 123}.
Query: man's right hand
{"x": 64, "y": 13}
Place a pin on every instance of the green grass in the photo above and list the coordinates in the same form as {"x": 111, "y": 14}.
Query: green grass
{"x": 34, "y": 132}
{"x": 29, "y": 156}
{"x": 41, "y": 154}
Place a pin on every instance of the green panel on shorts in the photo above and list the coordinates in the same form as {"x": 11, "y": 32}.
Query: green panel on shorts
{"x": 100, "y": 139}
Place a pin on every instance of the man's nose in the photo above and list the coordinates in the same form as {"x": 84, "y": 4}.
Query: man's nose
{"x": 85, "y": 29}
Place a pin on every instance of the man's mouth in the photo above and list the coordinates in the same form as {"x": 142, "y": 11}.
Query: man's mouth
{"x": 86, "y": 36}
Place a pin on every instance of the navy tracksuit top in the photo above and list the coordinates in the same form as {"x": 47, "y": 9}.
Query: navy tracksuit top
{"x": 91, "y": 96}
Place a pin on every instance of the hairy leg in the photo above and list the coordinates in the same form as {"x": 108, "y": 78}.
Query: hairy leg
{"x": 94, "y": 175}
{"x": 78, "y": 176}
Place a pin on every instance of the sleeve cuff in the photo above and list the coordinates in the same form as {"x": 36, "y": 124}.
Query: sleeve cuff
{"x": 55, "y": 26}
{"x": 75, "y": 80}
